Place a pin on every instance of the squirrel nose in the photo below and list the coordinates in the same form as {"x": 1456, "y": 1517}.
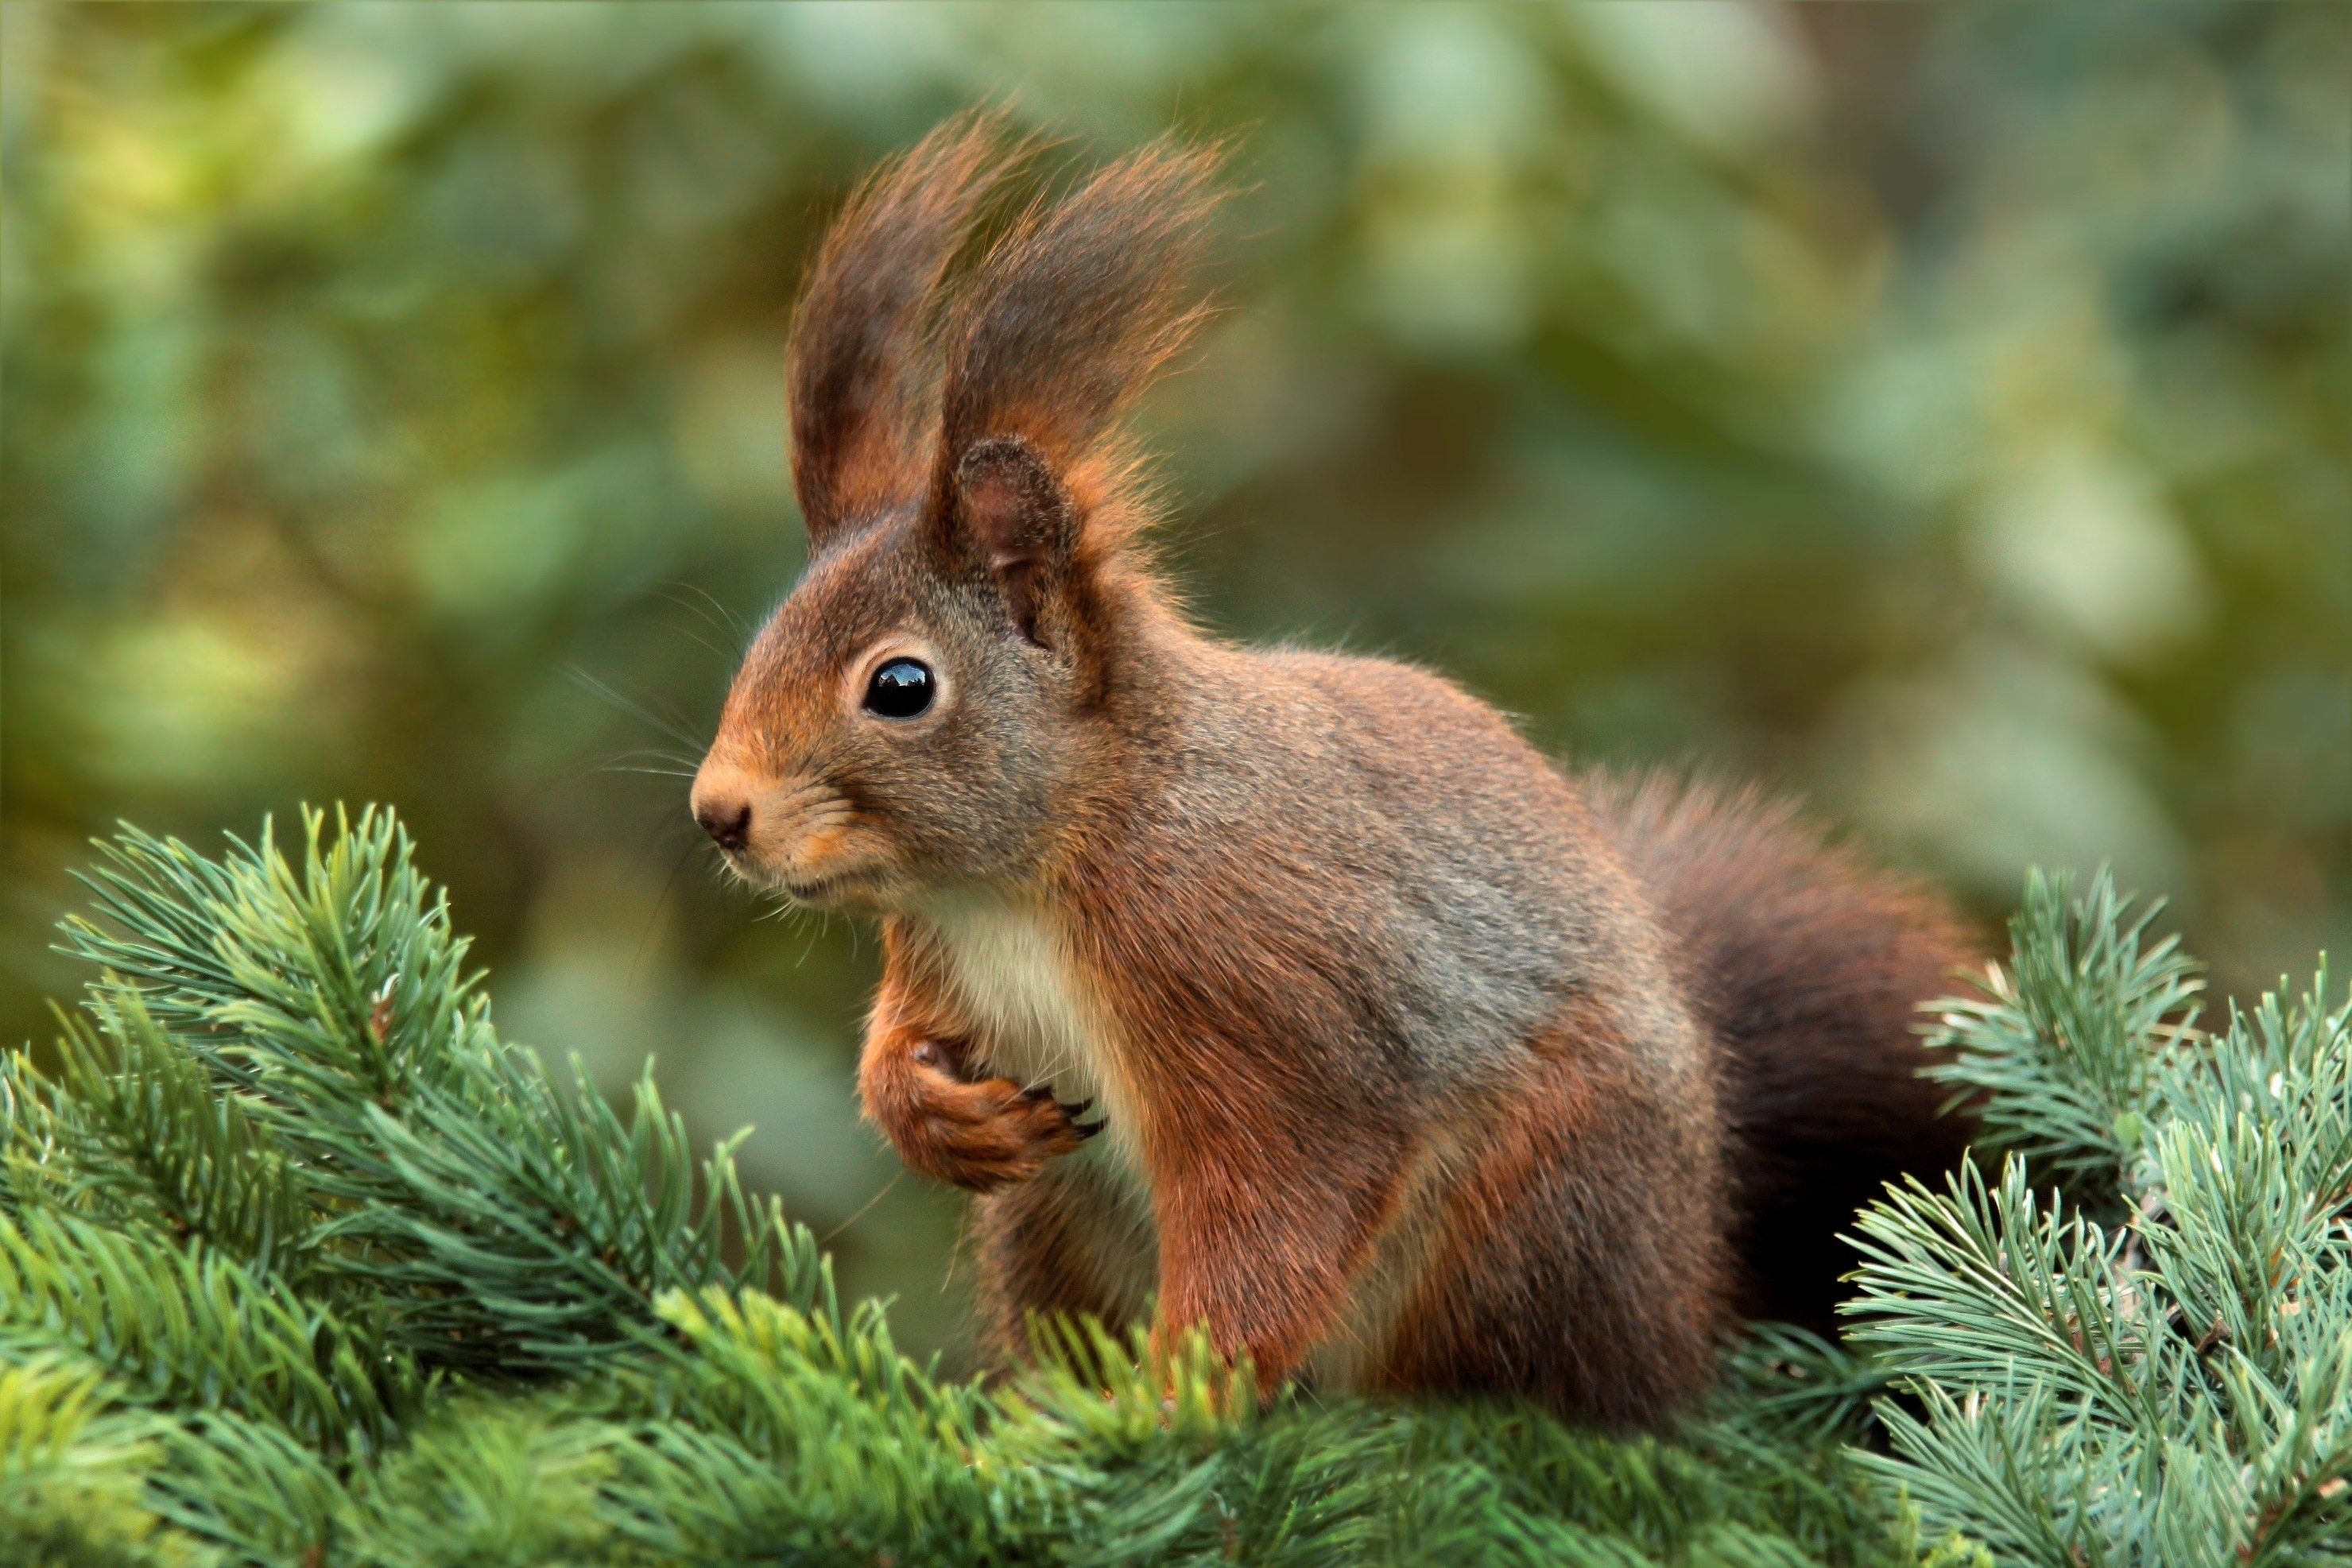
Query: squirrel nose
{"x": 728, "y": 822}
{"x": 723, "y": 801}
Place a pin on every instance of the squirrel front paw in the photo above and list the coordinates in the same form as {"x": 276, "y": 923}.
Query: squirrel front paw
{"x": 979, "y": 1136}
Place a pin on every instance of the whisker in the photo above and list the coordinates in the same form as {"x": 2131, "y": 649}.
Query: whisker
{"x": 671, "y": 727}
{"x": 661, "y": 772}
{"x": 725, "y": 620}
{"x": 654, "y": 915}
{"x": 800, "y": 793}
{"x": 658, "y": 754}
{"x": 826, "y": 1240}
{"x": 688, "y": 633}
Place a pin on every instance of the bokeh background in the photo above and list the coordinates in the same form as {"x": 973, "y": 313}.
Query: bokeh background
{"x": 1937, "y": 410}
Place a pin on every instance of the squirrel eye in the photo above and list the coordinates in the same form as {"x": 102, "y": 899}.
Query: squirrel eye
{"x": 902, "y": 688}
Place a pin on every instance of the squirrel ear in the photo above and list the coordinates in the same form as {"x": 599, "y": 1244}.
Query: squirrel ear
{"x": 1020, "y": 521}
{"x": 859, "y": 357}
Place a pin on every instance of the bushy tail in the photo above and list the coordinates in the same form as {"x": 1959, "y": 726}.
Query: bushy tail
{"x": 1808, "y": 966}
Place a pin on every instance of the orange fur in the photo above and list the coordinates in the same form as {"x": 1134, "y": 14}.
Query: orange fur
{"x": 1427, "y": 1064}
{"x": 979, "y": 1135}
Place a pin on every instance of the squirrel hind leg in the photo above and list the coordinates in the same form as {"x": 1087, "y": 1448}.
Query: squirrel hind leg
{"x": 1582, "y": 1264}
{"x": 1070, "y": 1242}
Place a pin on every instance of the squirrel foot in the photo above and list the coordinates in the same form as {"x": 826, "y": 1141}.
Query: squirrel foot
{"x": 979, "y": 1136}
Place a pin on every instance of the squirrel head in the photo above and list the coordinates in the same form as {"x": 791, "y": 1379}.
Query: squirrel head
{"x": 942, "y": 683}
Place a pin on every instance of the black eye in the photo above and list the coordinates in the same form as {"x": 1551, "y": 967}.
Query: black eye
{"x": 902, "y": 688}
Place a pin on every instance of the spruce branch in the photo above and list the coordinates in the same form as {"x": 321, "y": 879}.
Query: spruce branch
{"x": 2174, "y": 1390}
{"x": 510, "y": 1227}
{"x": 74, "y": 1469}
{"x": 300, "y": 1261}
{"x": 2057, "y": 1050}
{"x": 155, "y": 1145}
{"x": 196, "y": 1329}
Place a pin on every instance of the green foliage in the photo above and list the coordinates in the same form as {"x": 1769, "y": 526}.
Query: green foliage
{"x": 2060, "y": 1048}
{"x": 2175, "y": 1387}
{"x": 301, "y": 1261}
{"x": 497, "y": 1222}
{"x": 74, "y": 1471}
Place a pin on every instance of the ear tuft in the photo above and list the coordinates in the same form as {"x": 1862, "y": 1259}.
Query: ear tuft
{"x": 859, "y": 366}
{"x": 1069, "y": 316}
{"x": 1012, "y": 507}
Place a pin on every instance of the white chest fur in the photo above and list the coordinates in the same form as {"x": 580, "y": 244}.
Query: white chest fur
{"x": 1034, "y": 1015}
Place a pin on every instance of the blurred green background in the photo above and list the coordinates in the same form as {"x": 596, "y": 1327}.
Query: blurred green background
{"x": 1938, "y": 412}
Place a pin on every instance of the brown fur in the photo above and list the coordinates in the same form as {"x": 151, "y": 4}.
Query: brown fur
{"x": 980, "y": 1135}
{"x": 1808, "y": 967}
{"x": 855, "y": 384}
{"x": 1424, "y": 1063}
{"x": 1041, "y": 1250}
{"x": 1545, "y": 1229}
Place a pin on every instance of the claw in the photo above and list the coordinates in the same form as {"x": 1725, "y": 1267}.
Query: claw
{"x": 1037, "y": 1093}
{"x": 1074, "y": 1109}
{"x": 1088, "y": 1129}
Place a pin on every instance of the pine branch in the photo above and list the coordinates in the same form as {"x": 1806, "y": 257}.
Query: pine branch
{"x": 2178, "y": 1390}
{"x": 152, "y": 1144}
{"x": 2058, "y": 1050}
{"x": 301, "y": 1261}
{"x": 73, "y": 1470}
{"x": 508, "y": 1228}
{"x": 195, "y": 1328}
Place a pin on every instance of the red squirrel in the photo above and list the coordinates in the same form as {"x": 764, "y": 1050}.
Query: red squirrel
{"x": 1418, "y": 1061}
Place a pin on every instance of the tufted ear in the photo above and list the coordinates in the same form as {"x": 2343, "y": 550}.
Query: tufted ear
{"x": 856, "y": 373}
{"x": 1060, "y": 325}
{"x": 1019, "y": 522}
